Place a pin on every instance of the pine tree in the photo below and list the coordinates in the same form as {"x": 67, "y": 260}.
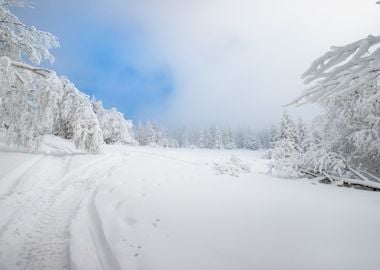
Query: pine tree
{"x": 218, "y": 139}
{"x": 286, "y": 145}
{"x": 302, "y": 135}
{"x": 228, "y": 140}
{"x": 251, "y": 141}
{"x": 274, "y": 136}
{"x": 205, "y": 139}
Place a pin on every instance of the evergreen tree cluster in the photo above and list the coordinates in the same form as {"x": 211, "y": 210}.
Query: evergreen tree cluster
{"x": 214, "y": 137}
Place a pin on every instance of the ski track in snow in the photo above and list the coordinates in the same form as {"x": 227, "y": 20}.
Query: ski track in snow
{"x": 34, "y": 230}
{"x": 104, "y": 254}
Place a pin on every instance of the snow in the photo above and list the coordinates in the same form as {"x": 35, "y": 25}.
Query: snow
{"x": 153, "y": 208}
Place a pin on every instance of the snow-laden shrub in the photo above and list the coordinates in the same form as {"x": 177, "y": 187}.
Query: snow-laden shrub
{"x": 232, "y": 166}
{"x": 283, "y": 149}
{"x": 318, "y": 160}
{"x": 285, "y": 167}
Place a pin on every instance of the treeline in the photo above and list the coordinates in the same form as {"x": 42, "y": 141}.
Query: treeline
{"x": 214, "y": 137}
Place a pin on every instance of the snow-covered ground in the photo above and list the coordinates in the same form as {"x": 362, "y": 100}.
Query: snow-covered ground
{"x": 176, "y": 209}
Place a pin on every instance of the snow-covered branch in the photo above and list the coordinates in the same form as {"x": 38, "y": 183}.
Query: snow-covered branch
{"x": 341, "y": 70}
{"x": 39, "y": 71}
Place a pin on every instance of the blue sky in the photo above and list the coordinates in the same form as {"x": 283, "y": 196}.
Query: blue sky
{"x": 185, "y": 62}
{"x": 101, "y": 59}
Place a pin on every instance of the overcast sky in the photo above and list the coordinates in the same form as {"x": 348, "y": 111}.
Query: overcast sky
{"x": 191, "y": 61}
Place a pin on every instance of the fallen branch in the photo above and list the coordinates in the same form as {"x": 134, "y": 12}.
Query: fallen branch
{"x": 329, "y": 177}
{"x": 309, "y": 173}
{"x": 362, "y": 183}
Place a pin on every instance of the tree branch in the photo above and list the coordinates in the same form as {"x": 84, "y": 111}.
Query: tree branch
{"x": 39, "y": 71}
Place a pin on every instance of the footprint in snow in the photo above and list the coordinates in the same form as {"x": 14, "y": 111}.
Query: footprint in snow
{"x": 131, "y": 221}
{"x": 118, "y": 205}
{"x": 155, "y": 223}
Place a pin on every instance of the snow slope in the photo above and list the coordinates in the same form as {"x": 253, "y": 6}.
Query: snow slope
{"x": 176, "y": 209}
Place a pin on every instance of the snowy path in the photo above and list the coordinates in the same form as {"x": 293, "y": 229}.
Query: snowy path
{"x": 39, "y": 204}
{"x": 159, "y": 209}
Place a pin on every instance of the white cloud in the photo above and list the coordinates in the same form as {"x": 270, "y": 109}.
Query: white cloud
{"x": 238, "y": 60}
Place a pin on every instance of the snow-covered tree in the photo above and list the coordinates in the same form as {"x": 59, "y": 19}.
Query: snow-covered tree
{"x": 115, "y": 128}
{"x": 251, "y": 140}
{"x": 286, "y": 151}
{"x": 185, "y": 138}
{"x": 18, "y": 80}
{"x": 318, "y": 160}
{"x": 139, "y": 133}
{"x": 155, "y": 135}
{"x": 273, "y": 135}
{"x": 345, "y": 82}
{"x": 17, "y": 39}
{"x": 303, "y": 136}
{"x": 78, "y": 120}
{"x": 205, "y": 138}
{"x": 218, "y": 139}
{"x": 35, "y": 101}
{"x": 17, "y": 105}
{"x": 263, "y": 136}
{"x": 162, "y": 137}
{"x": 240, "y": 138}
{"x": 228, "y": 139}
{"x": 146, "y": 135}
{"x": 286, "y": 144}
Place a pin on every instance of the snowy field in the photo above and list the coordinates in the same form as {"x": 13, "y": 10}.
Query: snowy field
{"x": 176, "y": 209}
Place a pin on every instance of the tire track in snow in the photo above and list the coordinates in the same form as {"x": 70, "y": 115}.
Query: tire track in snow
{"x": 12, "y": 202}
{"x": 104, "y": 254}
{"x": 47, "y": 244}
{"x": 10, "y": 181}
{"x": 39, "y": 226}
